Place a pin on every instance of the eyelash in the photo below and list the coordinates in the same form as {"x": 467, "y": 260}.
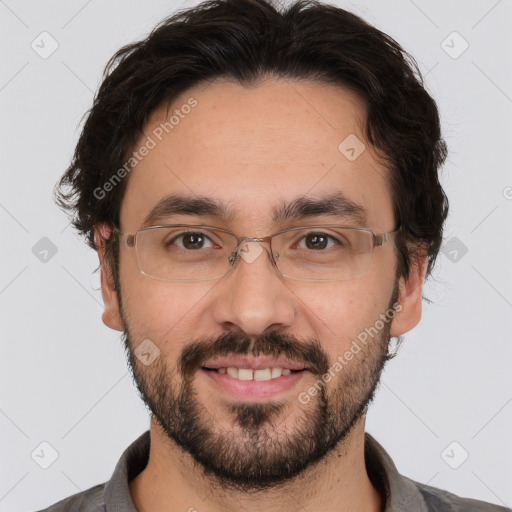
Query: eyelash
{"x": 180, "y": 235}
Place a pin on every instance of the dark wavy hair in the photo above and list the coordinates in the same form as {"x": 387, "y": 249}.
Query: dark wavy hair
{"x": 247, "y": 41}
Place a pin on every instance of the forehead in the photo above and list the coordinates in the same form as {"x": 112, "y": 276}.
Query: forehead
{"x": 256, "y": 149}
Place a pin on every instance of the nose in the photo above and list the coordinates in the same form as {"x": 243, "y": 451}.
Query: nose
{"x": 253, "y": 297}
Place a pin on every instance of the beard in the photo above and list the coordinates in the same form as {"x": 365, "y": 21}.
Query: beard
{"x": 255, "y": 453}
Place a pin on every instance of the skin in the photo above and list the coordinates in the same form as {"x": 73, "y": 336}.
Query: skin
{"x": 252, "y": 148}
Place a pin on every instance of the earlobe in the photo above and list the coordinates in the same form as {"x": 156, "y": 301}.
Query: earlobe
{"x": 111, "y": 316}
{"x": 409, "y": 300}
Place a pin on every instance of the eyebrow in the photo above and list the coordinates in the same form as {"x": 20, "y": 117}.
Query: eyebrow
{"x": 336, "y": 205}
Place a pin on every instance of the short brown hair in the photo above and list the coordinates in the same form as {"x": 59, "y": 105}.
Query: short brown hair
{"x": 244, "y": 41}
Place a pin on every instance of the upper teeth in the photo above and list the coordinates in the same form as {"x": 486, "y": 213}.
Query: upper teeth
{"x": 248, "y": 374}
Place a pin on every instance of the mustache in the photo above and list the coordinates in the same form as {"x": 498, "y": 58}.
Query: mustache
{"x": 274, "y": 343}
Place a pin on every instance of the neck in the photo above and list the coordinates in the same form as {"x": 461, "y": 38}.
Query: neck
{"x": 173, "y": 481}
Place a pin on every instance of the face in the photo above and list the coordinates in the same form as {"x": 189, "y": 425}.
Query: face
{"x": 254, "y": 150}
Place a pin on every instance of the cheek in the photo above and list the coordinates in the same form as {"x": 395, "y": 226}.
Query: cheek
{"x": 165, "y": 313}
{"x": 340, "y": 312}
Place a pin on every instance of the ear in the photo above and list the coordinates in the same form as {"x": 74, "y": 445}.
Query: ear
{"x": 111, "y": 315}
{"x": 409, "y": 300}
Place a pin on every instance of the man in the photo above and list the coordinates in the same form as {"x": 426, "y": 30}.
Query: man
{"x": 261, "y": 186}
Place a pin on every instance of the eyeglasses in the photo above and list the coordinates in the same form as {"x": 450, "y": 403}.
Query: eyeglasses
{"x": 189, "y": 253}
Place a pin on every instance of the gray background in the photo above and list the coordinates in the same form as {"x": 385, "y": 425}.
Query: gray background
{"x": 64, "y": 380}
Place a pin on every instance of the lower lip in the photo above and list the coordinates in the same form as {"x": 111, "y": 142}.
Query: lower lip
{"x": 254, "y": 389}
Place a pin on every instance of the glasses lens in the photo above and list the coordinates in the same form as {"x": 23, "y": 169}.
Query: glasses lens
{"x": 194, "y": 253}
{"x": 323, "y": 253}
{"x": 184, "y": 253}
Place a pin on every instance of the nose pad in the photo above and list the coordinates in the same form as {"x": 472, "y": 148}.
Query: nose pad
{"x": 249, "y": 250}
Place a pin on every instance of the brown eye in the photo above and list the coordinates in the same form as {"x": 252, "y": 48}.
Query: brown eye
{"x": 193, "y": 240}
{"x": 190, "y": 240}
{"x": 317, "y": 241}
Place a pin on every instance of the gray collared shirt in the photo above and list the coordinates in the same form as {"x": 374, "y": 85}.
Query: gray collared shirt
{"x": 402, "y": 494}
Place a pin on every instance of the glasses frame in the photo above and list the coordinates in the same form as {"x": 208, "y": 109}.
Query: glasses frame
{"x": 130, "y": 240}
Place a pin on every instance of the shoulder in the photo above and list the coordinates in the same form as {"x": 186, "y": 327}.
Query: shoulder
{"x": 439, "y": 500}
{"x": 90, "y": 500}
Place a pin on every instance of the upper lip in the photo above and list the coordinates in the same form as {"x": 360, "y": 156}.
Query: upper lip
{"x": 254, "y": 363}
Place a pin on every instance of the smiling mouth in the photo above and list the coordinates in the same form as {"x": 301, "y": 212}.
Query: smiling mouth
{"x": 250, "y": 374}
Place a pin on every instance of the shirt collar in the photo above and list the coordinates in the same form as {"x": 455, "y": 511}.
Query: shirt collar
{"x": 400, "y": 493}
{"x": 131, "y": 463}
